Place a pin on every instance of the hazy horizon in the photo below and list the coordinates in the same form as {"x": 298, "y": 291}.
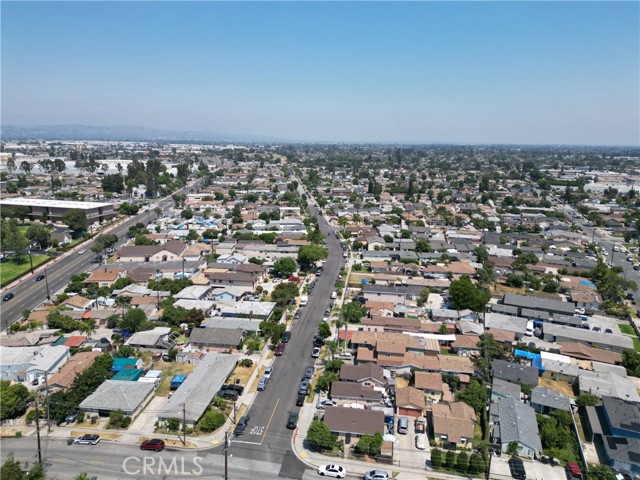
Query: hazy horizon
{"x": 503, "y": 73}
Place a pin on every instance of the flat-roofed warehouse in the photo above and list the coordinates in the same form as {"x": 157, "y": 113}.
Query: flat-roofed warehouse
{"x": 55, "y": 209}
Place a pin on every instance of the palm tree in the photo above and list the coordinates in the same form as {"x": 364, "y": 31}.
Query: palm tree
{"x": 123, "y": 301}
{"x": 343, "y": 221}
{"x": 357, "y": 218}
{"x": 88, "y": 327}
{"x": 157, "y": 211}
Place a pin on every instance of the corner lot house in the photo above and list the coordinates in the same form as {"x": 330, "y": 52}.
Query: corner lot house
{"x": 21, "y": 364}
{"x": 513, "y": 421}
{"x": 352, "y": 423}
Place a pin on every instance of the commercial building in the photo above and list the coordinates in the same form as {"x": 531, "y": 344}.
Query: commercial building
{"x": 55, "y": 209}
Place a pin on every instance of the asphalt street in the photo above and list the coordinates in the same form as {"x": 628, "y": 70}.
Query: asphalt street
{"x": 113, "y": 461}
{"x": 267, "y": 437}
{"x": 607, "y": 243}
{"x": 29, "y": 294}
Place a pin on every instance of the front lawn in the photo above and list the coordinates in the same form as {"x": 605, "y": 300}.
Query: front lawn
{"x": 12, "y": 270}
{"x": 627, "y": 329}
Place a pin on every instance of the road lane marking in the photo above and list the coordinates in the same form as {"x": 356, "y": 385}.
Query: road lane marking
{"x": 269, "y": 423}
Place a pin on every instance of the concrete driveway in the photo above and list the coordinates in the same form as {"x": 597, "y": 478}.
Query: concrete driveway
{"x": 405, "y": 452}
{"x": 144, "y": 424}
{"x": 535, "y": 470}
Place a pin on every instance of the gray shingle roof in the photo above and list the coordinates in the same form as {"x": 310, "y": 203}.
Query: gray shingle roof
{"x": 118, "y": 395}
{"x": 550, "y": 398}
{"x": 514, "y": 372}
{"x": 518, "y": 423}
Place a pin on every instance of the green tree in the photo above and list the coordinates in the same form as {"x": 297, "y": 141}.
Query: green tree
{"x": 324, "y": 381}
{"x": 135, "y": 320}
{"x": 462, "y": 462}
{"x": 324, "y": 330}
{"x": 513, "y": 448}
{"x": 76, "y": 220}
{"x": 464, "y": 294}
{"x": 211, "y": 421}
{"x": 353, "y": 312}
{"x": 113, "y": 183}
{"x": 423, "y": 246}
{"x": 14, "y": 399}
{"x": 586, "y": 399}
{"x": 309, "y": 254}
{"x": 436, "y": 458}
{"x": 476, "y": 463}
{"x": 11, "y": 469}
{"x": 320, "y": 437}
{"x": 450, "y": 459}
{"x": 40, "y": 235}
{"x": 370, "y": 444}
{"x": 13, "y": 239}
{"x": 285, "y": 266}
{"x": 475, "y": 395}
{"x": 284, "y": 292}
{"x": 601, "y": 472}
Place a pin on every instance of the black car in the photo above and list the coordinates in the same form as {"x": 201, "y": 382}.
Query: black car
{"x": 516, "y": 466}
{"x": 318, "y": 341}
{"x": 286, "y": 336}
{"x": 293, "y": 420}
{"x": 298, "y": 314}
{"x": 236, "y": 387}
{"x": 242, "y": 425}
{"x": 300, "y": 400}
{"x": 7, "y": 297}
{"x": 40, "y": 277}
{"x": 228, "y": 394}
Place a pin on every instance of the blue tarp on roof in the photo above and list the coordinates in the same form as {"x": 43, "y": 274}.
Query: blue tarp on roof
{"x": 587, "y": 283}
{"x": 536, "y": 359}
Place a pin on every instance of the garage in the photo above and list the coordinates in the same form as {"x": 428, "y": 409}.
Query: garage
{"x": 410, "y": 402}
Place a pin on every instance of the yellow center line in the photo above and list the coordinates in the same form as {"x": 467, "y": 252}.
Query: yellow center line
{"x": 269, "y": 423}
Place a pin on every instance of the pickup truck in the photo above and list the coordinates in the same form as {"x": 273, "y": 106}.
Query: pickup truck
{"x": 421, "y": 425}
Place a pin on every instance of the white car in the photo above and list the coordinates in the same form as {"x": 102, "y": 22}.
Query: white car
{"x": 315, "y": 353}
{"x": 80, "y": 252}
{"x": 325, "y": 319}
{"x": 421, "y": 441}
{"x": 268, "y": 372}
{"x": 580, "y": 311}
{"x": 88, "y": 439}
{"x": 322, "y": 404}
{"x": 331, "y": 470}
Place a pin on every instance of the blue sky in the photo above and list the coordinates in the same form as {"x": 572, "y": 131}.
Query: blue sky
{"x": 478, "y": 72}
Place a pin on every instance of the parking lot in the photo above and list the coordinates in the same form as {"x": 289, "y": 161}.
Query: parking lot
{"x": 535, "y": 470}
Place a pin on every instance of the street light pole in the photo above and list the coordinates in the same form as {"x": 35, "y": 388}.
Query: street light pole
{"x": 31, "y": 260}
{"x": 46, "y": 281}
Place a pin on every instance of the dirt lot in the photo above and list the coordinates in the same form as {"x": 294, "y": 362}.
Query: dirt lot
{"x": 169, "y": 369}
{"x": 560, "y": 387}
{"x": 243, "y": 374}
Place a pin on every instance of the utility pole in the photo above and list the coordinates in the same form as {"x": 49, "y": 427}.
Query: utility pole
{"x": 38, "y": 432}
{"x": 226, "y": 454}
{"x": 184, "y": 424}
{"x": 46, "y": 386}
{"x": 46, "y": 281}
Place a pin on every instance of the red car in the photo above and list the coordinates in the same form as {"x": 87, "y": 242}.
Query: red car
{"x": 574, "y": 470}
{"x": 154, "y": 444}
{"x": 279, "y": 350}
{"x": 294, "y": 279}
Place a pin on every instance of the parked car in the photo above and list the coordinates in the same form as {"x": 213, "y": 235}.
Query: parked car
{"x": 7, "y": 297}
{"x": 268, "y": 372}
{"x": 80, "y": 252}
{"x": 421, "y": 425}
{"x": 286, "y": 337}
{"x": 308, "y": 373}
{"x": 262, "y": 384}
{"x": 236, "y": 386}
{"x": 574, "y": 470}
{"x": 325, "y": 319}
{"x": 304, "y": 387}
{"x": 318, "y": 341}
{"x": 322, "y": 404}
{"x": 242, "y": 425}
{"x": 376, "y": 475}
{"x": 516, "y": 465}
{"x": 154, "y": 444}
{"x": 300, "y": 400}
{"x": 228, "y": 394}
{"x": 71, "y": 418}
{"x": 292, "y": 422}
{"x": 315, "y": 353}
{"x": 332, "y": 470}
{"x": 40, "y": 277}
{"x": 279, "y": 350}
{"x": 88, "y": 439}
{"x": 421, "y": 441}
{"x": 297, "y": 315}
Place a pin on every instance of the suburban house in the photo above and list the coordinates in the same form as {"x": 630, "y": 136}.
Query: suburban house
{"x": 368, "y": 375}
{"x": 614, "y": 425}
{"x": 410, "y": 402}
{"x": 21, "y": 364}
{"x": 453, "y": 423}
{"x": 105, "y": 277}
{"x": 77, "y": 364}
{"x": 515, "y": 373}
{"x": 157, "y": 338}
{"x": 430, "y": 383}
{"x": 513, "y": 421}
{"x": 352, "y": 423}
{"x": 78, "y": 303}
{"x": 584, "y": 352}
{"x": 169, "y": 251}
{"x": 352, "y": 392}
{"x": 218, "y": 338}
{"x": 118, "y": 395}
{"x": 544, "y": 400}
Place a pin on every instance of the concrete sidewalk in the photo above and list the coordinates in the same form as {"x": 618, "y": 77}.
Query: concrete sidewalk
{"x": 353, "y": 467}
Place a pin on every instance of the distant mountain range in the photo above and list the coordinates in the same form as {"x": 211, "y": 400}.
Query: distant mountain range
{"x": 124, "y": 133}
